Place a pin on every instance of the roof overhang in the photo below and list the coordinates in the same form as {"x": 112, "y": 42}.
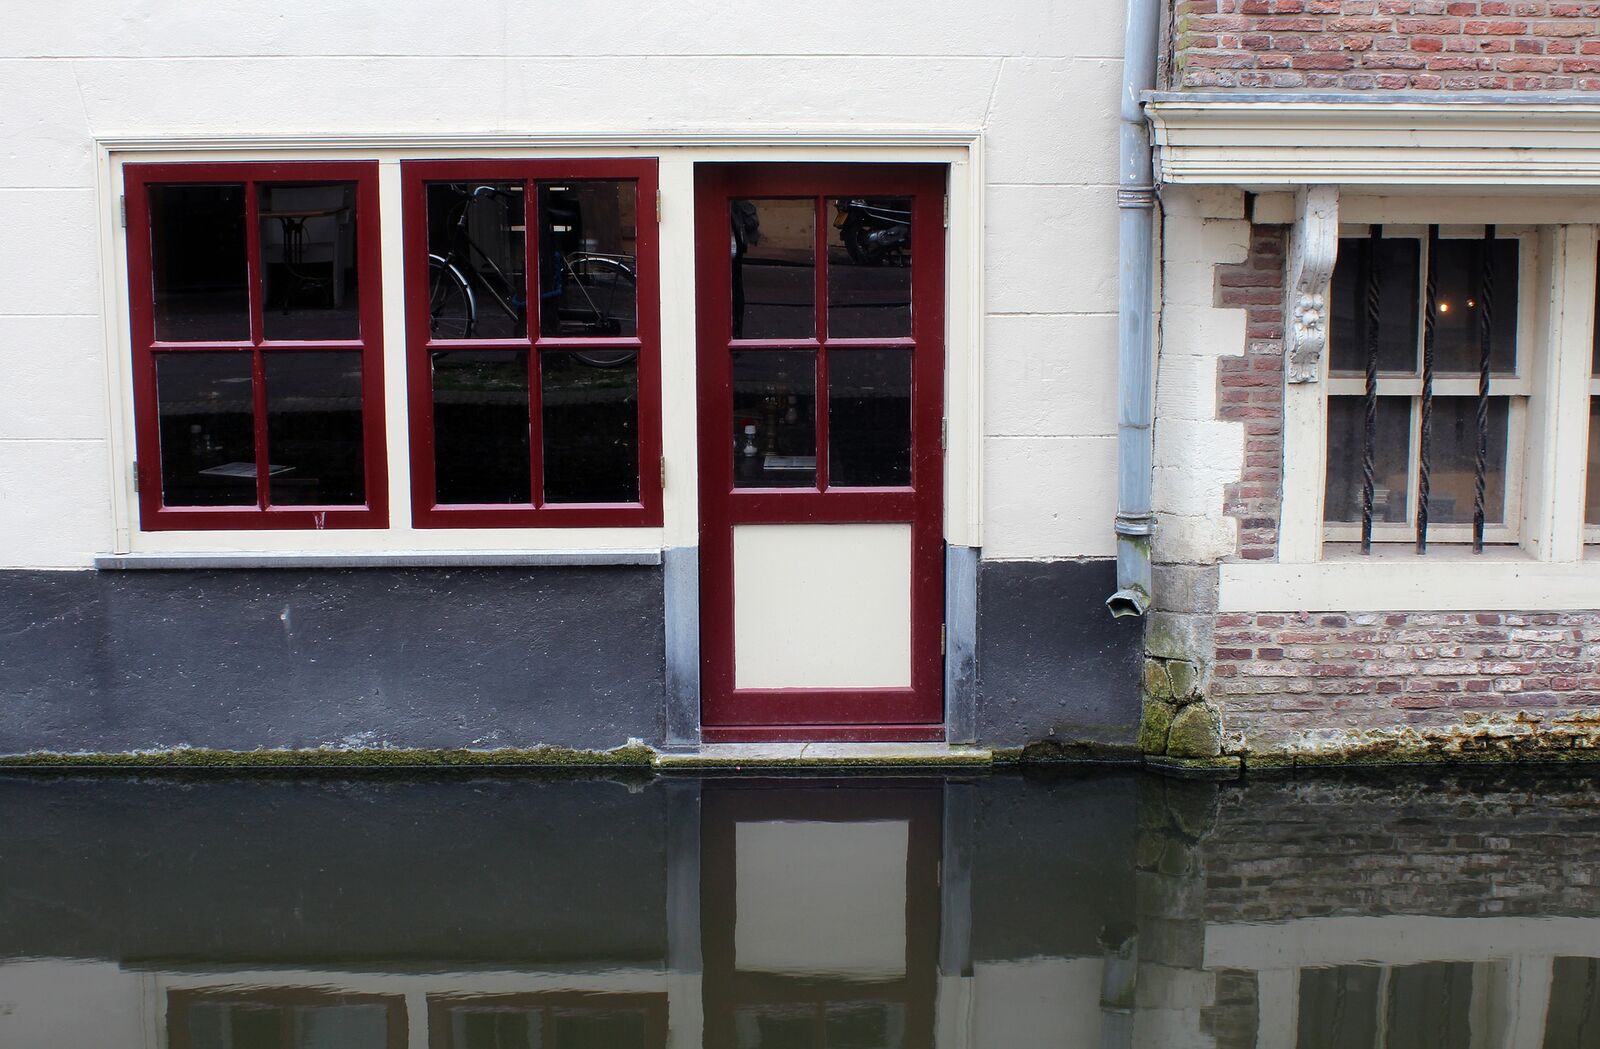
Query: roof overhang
{"x": 1263, "y": 141}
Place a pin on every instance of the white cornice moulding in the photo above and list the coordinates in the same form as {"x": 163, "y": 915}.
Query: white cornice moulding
{"x": 1278, "y": 142}
{"x": 739, "y": 137}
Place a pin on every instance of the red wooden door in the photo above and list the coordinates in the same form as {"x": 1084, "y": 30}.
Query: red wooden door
{"x": 821, "y": 391}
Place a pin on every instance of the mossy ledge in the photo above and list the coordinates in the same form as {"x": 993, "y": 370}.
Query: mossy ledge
{"x": 630, "y": 756}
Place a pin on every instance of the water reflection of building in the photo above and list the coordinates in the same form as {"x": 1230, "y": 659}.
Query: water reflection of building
{"x": 860, "y": 914}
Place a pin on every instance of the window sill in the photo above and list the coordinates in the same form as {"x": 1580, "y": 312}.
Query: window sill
{"x": 1443, "y": 580}
{"x": 398, "y": 559}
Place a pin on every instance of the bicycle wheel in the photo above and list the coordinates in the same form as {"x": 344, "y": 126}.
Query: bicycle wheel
{"x": 452, "y": 309}
{"x": 597, "y": 296}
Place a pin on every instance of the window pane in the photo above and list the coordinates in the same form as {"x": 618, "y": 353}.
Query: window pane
{"x": 1454, "y": 454}
{"x": 1458, "y": 271}
{"x": 591, "y": 427}
{"x": 774, "y": 269}
{"x": 341, "y": 1027}
{"x": 1338, "y": 1007}
{"x": 588, "y": 258}
{"x": 1573, "y": 1018}
{"x": 869, "y": 268}
{"x": 1347, "y": 427}
{"x": 197, "y": 249}
{"x": 495, "y": 1029}
{"x": 1592, "y": 501}
{"x": 774, "y": 419}
{"x": 1429, "y": 1005}
{"x": 477, "y": 247}
{"x": 1399, "y": 261}
{"x": 480, "y": 427}
{"x": 869, "y": 417}
{"x": 314, "y": 428}
{"x": 308, "y": 261}
{"x": 206, "y": 408}
{"x": 599, "y": 1029}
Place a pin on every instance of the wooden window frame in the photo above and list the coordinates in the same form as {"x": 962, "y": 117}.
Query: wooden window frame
{"x": 426, "y": 512}
{"x": 1515, "y": 387}
{"x": 153, "y": 514}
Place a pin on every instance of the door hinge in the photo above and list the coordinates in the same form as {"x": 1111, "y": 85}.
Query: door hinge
{"x": 136, "y": 475}
{"x": 663, "y": 473}
{"x": 942, "y": 631}
{"x": 122, "y": 209}
{"x": 947, "y": 211}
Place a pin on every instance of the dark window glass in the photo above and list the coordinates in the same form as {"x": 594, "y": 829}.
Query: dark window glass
{"x": 869, "y": 417}
{"x": 1399, "y": 260}
{"x": 1458, "y": 272}
{"x": 198, "y": 252}
{"x": 1592, "y": 500}
{"x": 1347, "y": 425}
{"x": 308, "y": 260}
{"x": 1430, "y": 1005}
{"x": 1573, "y": 1018}
{"x": 591, "y": 427}
{"x": 495, "y": 1029}
{"x": 477, "y": 266}
{"x": 480, "y": 427}
{"x": 599, "y": 1029}
{"x": 1339, "y": 1007}
{"x": 206, "y": 405}
{"x": 1453, "y": 457}
{"x": 314, "y": 428}
{"x": 774, "y": 244}
{"x": 774, "y": 419}
{"x": 588, "y": 259}
{"x": 869, "y": 268}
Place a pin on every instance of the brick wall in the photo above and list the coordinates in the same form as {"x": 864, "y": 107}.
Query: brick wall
{"x": 1448, "y": 846}
{"x": 1388, "y": 45}
{"x": 1251, "y": 390}
{"x": 1456, "y": 680}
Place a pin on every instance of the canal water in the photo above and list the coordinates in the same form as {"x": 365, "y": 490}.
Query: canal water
{"x": 1088, "y": 909}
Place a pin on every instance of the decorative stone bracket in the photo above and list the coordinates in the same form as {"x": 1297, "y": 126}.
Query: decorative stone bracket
{"x": 1313, "y": 249}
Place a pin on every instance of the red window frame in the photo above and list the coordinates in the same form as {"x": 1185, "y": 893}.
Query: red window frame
{"x": 154, "y": 515}
{"x": 426, "y": 512}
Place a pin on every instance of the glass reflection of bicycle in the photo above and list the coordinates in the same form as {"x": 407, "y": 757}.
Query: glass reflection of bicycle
{"x": 585, "y": 293}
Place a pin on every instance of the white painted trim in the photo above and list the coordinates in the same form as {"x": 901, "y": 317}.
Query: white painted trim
{"x": 1398, "y": 939}
{"x": 1397, "y": 580}
{"x": 1277, "y": 143}
{"x": 676, "y": 152}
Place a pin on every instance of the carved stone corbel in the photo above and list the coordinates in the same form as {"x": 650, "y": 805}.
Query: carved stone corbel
{"x": 1313, "y": 248}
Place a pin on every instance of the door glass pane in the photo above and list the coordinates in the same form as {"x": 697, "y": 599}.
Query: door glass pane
{"x": 869, "y": 418}
{"x": 308, "y": 261}
{"x": 588, "y": 258}
{"x": 197, "y": 249}
{"x": 869, "y": 268}
{"x": 477, "y": 265}
{"x": 205, "y": 403}
{"x": 1592, "y": 500}
{"x": 1458, "y": 271}
{"x": 1453, "y": 458}
{"x": 1399, "y": 261}
{"x": 591, "y": 427}
{"x": 314, "y": 428}
{"x": 774, "y": 244}
{"x": 1347, "y": 425}
{"x": 480, "y": 427}
{"x": 774, "y": 419}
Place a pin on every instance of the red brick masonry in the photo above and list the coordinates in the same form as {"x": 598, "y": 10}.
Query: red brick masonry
{"x": 1388, "y": 45}
{"x": 1282, "y": 675}
{"x": 1251, "y": 390}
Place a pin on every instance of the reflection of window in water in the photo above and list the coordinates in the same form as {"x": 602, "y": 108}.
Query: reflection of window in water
{"x": 553, "y": 1021}
{"x": 284, "y": 1020}
{"x": 1573, "y": 1019}
{"x": 842, "y": 1025}
{"x": 1425, "y": 1006}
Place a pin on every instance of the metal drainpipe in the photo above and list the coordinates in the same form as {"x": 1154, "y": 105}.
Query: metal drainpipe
{"x": 1136, "y": 198}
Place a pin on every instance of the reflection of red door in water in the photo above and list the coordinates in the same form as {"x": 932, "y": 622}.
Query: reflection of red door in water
{"x": 821, "y": 360}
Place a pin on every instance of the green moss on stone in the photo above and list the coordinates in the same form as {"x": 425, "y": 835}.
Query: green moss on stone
{"x": 1196, "y": 732}
{"x": 1154, "y": 722}
{"x": 1185, "y": 679}
{"x": 1157, "y": 685}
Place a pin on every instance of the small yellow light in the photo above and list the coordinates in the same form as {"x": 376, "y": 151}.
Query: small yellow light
{"x": 1444, "y": 307}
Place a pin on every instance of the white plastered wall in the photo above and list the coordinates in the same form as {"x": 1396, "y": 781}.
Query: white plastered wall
{"x": 1040, "y": 80}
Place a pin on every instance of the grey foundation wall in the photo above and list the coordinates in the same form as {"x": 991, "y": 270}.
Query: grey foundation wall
{"x": 245, "y": 659}
{"x": 1052, "y": 663}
